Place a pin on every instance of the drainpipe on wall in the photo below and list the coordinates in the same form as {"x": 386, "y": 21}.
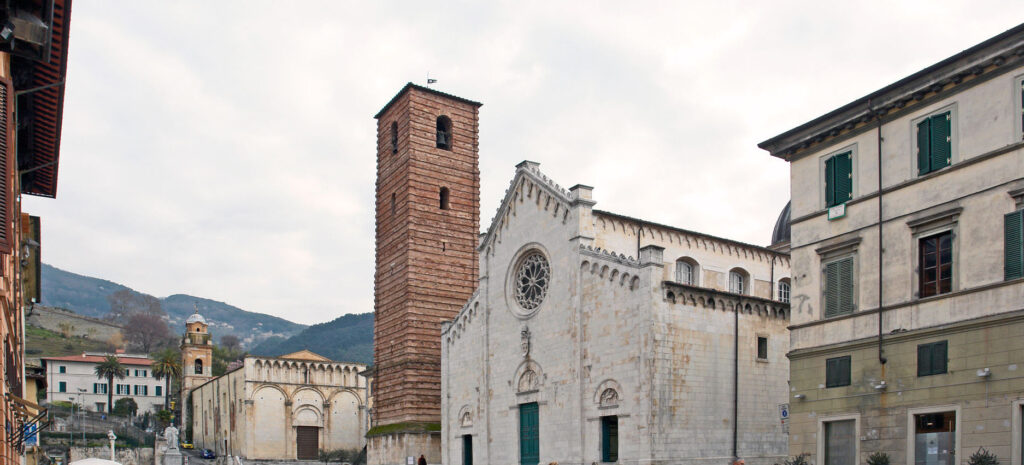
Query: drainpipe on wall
{"x": 881, "y": 273}
{"x": 735, "y": 381}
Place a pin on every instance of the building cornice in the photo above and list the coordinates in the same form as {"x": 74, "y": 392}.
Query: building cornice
{"x": 966, "y": 69}
{"x": 706, "y": 297}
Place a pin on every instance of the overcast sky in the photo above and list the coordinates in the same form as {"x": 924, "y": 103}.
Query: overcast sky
{"x": 226, "y": 149}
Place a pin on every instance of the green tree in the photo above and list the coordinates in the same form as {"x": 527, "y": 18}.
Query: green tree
{"x": 110, "y": 368}
{"x": 164, "y": 417}
{"x": 125, "y": 406}
{"x": 166, "y": 366}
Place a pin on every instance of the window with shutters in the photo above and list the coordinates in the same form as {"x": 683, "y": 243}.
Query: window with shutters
{"x": 1013, "y": 245}
{"x": 838, "y": 177}
{"x": 934, "y": 135}
{"x": 839, "y": 287}
{"x": 1018, "y": 93}
{"x": 837, "y": 372}
{"x": 935, "y": 264}
{"x": 931, "y": 358}
{"x": 159, "y": 390}
{"x": 62, "y": 369}
{"x": 62, "y": 386}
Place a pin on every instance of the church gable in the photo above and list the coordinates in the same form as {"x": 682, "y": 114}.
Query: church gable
{"x": 306, "y": 355}
{"x": 529, "y": 189}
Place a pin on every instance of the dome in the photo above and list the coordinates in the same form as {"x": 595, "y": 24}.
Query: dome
{"x": 195, "y": 318}
{"x": 781, "y": 232}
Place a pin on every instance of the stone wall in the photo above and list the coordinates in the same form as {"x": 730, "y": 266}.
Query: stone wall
{"x": 140, "y": 456}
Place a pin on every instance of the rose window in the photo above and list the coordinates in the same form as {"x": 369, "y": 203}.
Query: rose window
{"x": 531, "y": 283}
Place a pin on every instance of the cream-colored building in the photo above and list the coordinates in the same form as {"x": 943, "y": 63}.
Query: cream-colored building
{"x": 595, "y": 337}
{"x": 282, "y": 408}
{"x": 907, "y": 334}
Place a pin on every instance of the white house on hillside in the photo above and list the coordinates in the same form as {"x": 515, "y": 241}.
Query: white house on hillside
{"x": 73, "y": 379}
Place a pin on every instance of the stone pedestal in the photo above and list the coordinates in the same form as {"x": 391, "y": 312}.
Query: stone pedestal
{"x": 172, "y": 457}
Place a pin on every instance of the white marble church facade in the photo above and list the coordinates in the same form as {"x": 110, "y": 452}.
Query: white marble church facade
{"x": 595, "y": 337}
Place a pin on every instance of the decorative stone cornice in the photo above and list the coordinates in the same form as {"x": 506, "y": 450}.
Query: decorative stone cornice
{"x": 714, "y": 299}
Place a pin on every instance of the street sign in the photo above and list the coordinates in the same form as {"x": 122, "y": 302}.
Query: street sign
{"x": 836, "y": 212}
{"x": 784, "y": 417}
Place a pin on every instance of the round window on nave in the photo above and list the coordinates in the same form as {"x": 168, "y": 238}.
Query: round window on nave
{"x": 531, "y": 280}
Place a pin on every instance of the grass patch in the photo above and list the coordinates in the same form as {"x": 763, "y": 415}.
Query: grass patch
{"x": 407, "y": 427}
{"x": 41, "y": 342}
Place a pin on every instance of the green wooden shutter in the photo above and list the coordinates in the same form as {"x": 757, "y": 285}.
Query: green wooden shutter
{"x": 923, "y": 151}
{"x": 939, "y": 350}
{"x": 941, "y": 142}
{"x": 831, "y": 289}
{"x": 529, "y": 437}
{"x": 844, "y": 371}
{"x": 844, "y": 177}
{"x": 837, "y": 371}
{"x": 846, "y": 286}
{"x": 1013, "y": 234}
{"x": 924, "y": 360}
{"x": 830, "y": 182}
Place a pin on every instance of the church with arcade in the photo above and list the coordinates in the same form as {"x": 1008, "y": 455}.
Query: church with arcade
{"x": 271, "y": 408}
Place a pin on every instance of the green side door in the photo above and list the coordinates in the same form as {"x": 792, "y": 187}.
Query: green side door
{"x": 529, "y": 434}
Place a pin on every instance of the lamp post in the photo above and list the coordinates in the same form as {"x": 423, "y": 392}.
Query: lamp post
{"x": 112, "y": 437}
{"x": 81, "y": 412}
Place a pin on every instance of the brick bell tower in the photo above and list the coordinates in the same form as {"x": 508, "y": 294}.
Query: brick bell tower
{"x": 428, "y": 220}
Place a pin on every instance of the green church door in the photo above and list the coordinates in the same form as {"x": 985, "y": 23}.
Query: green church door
{"x": 529, "y": 436}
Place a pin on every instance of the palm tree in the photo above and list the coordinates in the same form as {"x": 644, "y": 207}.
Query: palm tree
{"x": 167, "y": 365}
{"x": 110, "y": 368}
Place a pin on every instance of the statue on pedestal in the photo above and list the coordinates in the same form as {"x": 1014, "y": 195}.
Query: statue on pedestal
{"x": 171, "y": 436}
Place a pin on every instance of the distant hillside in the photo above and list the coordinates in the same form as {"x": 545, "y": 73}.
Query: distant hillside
{"x": 81, "y": 294}
{"x": 252, "y": 328}
{"x": 88, "y": 296}
{"x": 346, "y": 339}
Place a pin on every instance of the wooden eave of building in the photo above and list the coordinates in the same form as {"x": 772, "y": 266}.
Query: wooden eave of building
{"x": 977, "y": 64}
{"x": 410, "y": 86}
{"x": 39, "y": 143}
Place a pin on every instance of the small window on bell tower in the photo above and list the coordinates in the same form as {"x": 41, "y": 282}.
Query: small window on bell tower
{"x": 444, "y": 198}
{"x": 444, "y": 132}
{"x": 394, "y": 137}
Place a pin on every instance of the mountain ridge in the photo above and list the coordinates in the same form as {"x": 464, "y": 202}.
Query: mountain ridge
{"x": 87, "y": 296}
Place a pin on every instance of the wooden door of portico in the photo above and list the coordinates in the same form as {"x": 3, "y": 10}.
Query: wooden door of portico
{"x": 307, "y": 442}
